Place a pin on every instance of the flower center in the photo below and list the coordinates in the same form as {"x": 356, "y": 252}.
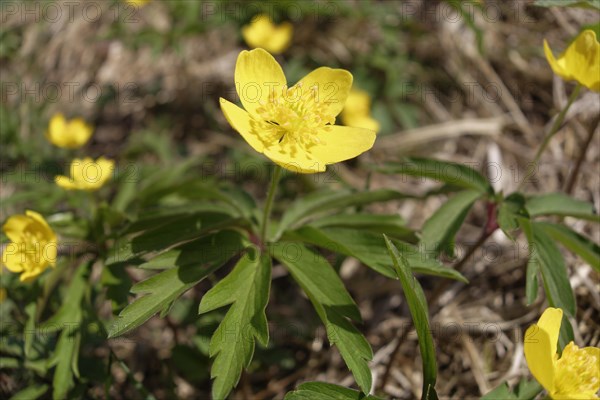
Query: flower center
{"x": 577, "y": 371}
{"x": 295, "y": 117}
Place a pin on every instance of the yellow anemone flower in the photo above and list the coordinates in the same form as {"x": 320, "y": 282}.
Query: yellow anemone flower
{"x": 68, "y": 134}
{"x": 261, "y": 32}
{"x": 580, "y": 62}
{"x": 294, "y": 126}
{"x": 357, "y": 112}
{"x": 137, "y": 3}
{"x": 87, "y": 174}
{"x": 575, "y": 375}
{"x": 33, "y": 245}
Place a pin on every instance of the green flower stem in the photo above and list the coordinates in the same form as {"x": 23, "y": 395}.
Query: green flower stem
{"x": 269, "y": 203}
{"x": 555, "y": 127}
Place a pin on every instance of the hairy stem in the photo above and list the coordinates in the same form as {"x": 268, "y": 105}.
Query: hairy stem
{"x": 269, "y": 203}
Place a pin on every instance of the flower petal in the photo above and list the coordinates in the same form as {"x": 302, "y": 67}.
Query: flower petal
{"x": 65, "y": 182}
{"x": 297, "y": 161}
{"x": 330, "y": 88}
{"x": 14, "y": 226}
{"x": 12, "y": 258}
{"x": 243, "y": 123}
{"x": 557, "y": 67}
{"x": 539, "y": 356}
{"x": 80, "y": 132}
{"x": 550, "y": 322}
{"x": 339, "y": 143}
{"x": 257, "y": 77}
{"x": 42, "y": 225}
{"x": 582, "y": 59}
{"x": 280, "y": 38}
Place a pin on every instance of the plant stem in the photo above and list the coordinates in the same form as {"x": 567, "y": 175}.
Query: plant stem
{"x": 269, "y": 204}
{"x": 555, "y": 127}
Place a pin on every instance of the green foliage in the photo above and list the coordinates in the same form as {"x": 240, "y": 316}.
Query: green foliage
{"x": 593, "y": 4}
{"x": 562, "y": 205}
{"x": 418, "y": 309}
{"x": 246, "y": 289}
{"x": 326, "y": 391}
{"x": 525, "y": 390}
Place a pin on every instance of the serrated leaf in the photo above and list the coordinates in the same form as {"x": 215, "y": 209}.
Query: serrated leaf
{"x": 550, "y": 262}
{"x": 594, "y": 4}
{"x": 562, "y": 205}
{"x": 420, "y": 315}
{"x": 326, "y": 391}
{"x": 332, "y": 303}
{"x": 176, "y": 230}
{"x": 391, "y": 225}
{"x": 577, "y": 243}
{"x": 162, "y": 289}
{"x": 246, "y": 289}
{"x": 371, "y": 250}
{"x": 439, "y": 230}
{"x": 451, "y": 173}
{"x": 315, "y": 204}
{"x": 509, "y": 211}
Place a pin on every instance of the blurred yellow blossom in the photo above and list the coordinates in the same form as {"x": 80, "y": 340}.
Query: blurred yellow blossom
{"x": 580, "y": 62}
{"x": 68, "y": 134}
{"x": 87, "y": 174}
{"x": 575, "y": 375}
{"x": 357, "y": 111}
{"x": 137, "y": 3}
{"x": 261, "y": 32}
{"x": 33, "y": 245}
{"x": 294, "y": 126}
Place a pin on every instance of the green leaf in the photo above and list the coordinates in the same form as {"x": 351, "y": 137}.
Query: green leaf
{"x": 439, "y": 230}
{"x": 333, "y": 304}
{"x": 550, "y": 262}
{"x": 162, "y": 289}
{"x": 246, "y": 289}
{"x": 562, "y": 205}
{"x": 502, "y": 392}
{"x": 371, "y": 250}
{"x": 528, "y": 390}
{"x": 420, "y": 315}
{"x": 117, "y": 282}
{"x": 568, "y": 3}
{"x": 454, "y": 174}
{"x": 315, "y": 204}
{"x": 326, "y": 391}
{"x": 30, "y": 393}
{"x": 176, "y": 230}
{"x": 391, "y": 225}
{"x": 509, "y": 211}
{"x": 66, "y": 356}
{"x": 577, "y": 243}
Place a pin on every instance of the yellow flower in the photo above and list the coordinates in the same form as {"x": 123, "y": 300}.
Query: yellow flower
{"x": 357, "y": 112}
{"x": 294, "y": 126}
{"x": 575, "y": 375}
{"x": 3, "y": 295}
{"x": 580, "y": 62}
{"x": 33, "y": 245}
{"x": 137, "y": 3}
{"x": 68, "y": 134}
{"x": 264, "y": 34}
{"x": 87, "y": 174}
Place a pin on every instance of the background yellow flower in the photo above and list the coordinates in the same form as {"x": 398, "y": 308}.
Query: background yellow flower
{"x": 575, "y": 375}
{"x": 357, "y": 111}
{"x": 294, "y": 126}
{"x": 261, "y": 32}
{"x": 70, "y": 134}
{"x": 33, "y": 245}
{"x": 580, "y": 62}
{"x": 87, "y": 174}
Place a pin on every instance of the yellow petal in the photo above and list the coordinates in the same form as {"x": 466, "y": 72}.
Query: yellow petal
{"x": 554, "y": 64}
{"x": 244, "y": 124}
{"x": 257, "y": 77}
{"x": 12, "y": 258}
{"x": 30, "y": 274}
{"x": 295, "y": 161}
{"x": 258, "y": 31}
{"x": 539, "y": 356}
{"x": 362, "y": 122}
{"x": 329, "y": 88}
{"x": 550, "y": 322}
{"x": 42, "y": 225}
{"x": 107, "y": 167}
{"x": 339, "y": 143}
{"x": 65, "y": 182}
{"x": 280, "y": 39}
{"x": 582, "y": 60}
{"x": 80, "y": 132}
{"x": 14, "y": 227}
